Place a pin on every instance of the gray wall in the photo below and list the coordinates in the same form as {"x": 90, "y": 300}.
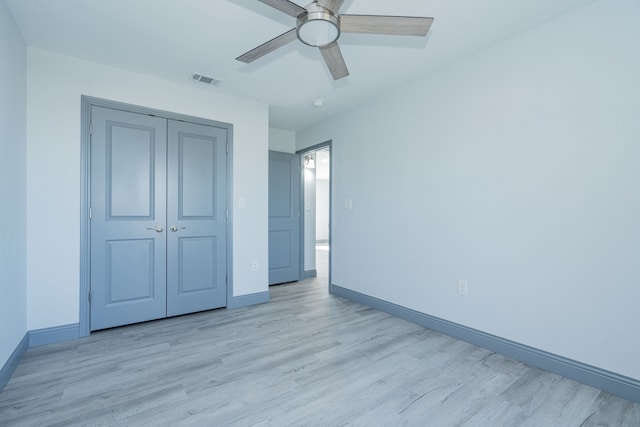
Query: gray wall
{"x": 516, "y": 169}
{"x": 13, "y": 110}
{"x": 282, "y": 140}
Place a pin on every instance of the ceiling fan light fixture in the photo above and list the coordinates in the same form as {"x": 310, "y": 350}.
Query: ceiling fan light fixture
{"x": 318, "y": 27}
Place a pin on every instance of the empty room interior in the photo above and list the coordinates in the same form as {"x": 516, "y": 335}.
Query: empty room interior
{"x": 330, "y": 212}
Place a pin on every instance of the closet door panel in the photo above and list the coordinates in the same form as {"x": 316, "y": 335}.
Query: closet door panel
{"x": 196, "y": 263}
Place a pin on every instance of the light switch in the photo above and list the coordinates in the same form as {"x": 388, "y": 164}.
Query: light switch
{"x": 463, "y": 287}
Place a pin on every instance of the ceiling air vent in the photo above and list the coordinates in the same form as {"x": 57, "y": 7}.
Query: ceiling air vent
{"x": 205, "y": 79}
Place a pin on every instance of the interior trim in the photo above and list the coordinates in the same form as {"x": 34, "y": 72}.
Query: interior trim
{"x": 12, "y": 363}
{"x": 308, "y": 274}
{"x": 36, "y": 338}
{"x": 44, "y": 336}
{"x": 316, "y": 147}
{"x": 625, "y": 387}
{"x": 247, "y": 300}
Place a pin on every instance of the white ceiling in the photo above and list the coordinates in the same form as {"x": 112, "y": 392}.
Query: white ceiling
{"x": 171, "y": 39}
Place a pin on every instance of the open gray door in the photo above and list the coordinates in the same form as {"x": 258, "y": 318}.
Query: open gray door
{"x": 284, "y": 217}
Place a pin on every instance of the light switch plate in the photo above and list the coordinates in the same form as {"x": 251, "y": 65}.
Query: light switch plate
{"x": 463, "y": 287}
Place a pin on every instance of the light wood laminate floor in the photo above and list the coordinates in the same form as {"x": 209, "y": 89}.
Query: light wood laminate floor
{"x": 304, "y": 359}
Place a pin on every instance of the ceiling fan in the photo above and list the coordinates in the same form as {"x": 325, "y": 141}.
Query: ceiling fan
{"x": 319, "y": 24}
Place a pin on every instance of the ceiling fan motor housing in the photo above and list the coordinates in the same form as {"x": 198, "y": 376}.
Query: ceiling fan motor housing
{"x": 317, "y": 26}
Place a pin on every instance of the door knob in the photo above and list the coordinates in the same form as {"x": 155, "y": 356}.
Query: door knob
{"x": 159, "y": 228}
{"x": 174, "y": 228}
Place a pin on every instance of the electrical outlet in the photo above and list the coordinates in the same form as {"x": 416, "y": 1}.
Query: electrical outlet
{"x": 463, "y": 287}
{"x": 255, "y": 266}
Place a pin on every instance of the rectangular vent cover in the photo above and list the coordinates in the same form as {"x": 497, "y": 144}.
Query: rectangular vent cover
{"x": 205, "y": 79}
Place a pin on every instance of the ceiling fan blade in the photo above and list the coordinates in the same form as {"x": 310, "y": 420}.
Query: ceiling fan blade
{"x": 268, "y": 47}
{"x": 384, "y": 24}
{"x": 332, "y": 5}
{"x": 285, "y": 6}
{"x": 333, "y": 57}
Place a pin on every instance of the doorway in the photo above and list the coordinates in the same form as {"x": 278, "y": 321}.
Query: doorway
{"x": 316, "y": 240}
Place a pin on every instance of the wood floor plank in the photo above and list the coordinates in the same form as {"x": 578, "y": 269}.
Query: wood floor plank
{"x": 304, "y": 359}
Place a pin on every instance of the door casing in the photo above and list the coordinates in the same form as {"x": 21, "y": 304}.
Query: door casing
{"x": 85, "y": 163}
{"x": 323, "y": 145}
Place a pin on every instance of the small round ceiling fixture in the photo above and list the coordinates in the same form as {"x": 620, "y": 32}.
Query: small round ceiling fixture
{"x": 318, "y": 103}
{"x": 318, "y": 27}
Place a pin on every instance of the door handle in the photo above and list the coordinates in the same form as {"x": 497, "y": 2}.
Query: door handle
{"x": 174, "y": 228}
{"x": 159, "y": 228}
